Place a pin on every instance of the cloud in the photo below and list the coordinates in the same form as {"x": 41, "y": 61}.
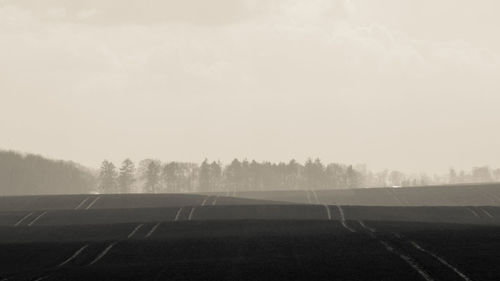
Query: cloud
{"x": 292, "y": 46}
{"x": 135, "y": 11}
{"x": 214, "y": 12}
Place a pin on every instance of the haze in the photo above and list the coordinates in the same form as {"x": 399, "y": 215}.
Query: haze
{"x": 411, "y": 85}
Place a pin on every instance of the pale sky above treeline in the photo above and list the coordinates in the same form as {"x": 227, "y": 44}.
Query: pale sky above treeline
{"x": 411, "y": 85}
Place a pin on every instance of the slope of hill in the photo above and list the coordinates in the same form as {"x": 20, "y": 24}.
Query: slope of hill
{"x": 484, "y": 194}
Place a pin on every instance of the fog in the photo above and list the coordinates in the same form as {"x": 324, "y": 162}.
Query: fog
{"x": 408, "y": 85}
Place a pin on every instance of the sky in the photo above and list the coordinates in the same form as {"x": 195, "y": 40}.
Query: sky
{"x": 411, "y": 85}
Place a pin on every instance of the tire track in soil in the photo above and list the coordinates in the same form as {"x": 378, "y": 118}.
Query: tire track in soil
{"x": 434, "y": 257}
{"x": 392, "y": 249}
{"x": 215, "y": 200}
{"x": 37, "y": 218}
{"x": 23, "y": 219}
{"x": 74, "y": 256}
{"x": 93, "y": 202}
{"x": 328, "y": 212}
{"x": 308, "y": 197}
{"x": 315, "y": 196}
{"x": 178, "y": 214}
{"x": 153, "y": 229}
{"x": 488, "y": 214}
{"x": 190, "y": 217}
{"x": 82, "y": 202}
{"x": 342, "y": 219}
{"x": 473, "y": 212}
{"x": 101, "y": 254}
{"x": 441, "y": 260}
{"x": 134, "y": 231}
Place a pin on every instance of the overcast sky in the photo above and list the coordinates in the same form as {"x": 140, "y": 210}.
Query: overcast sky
{"x": 405, "y": 84}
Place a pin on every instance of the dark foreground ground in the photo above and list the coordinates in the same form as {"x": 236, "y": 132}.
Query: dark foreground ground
{"x": 218, "y": 237}
{"x": 255, "y": 250}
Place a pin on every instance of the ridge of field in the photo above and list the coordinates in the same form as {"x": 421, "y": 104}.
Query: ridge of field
{"x": 119, "y": 201}
{"x": 275, "y": 250}
{"x": 450, "y": 195}
{"x": 444, "y": 195}
{"x": 479, "y": 215}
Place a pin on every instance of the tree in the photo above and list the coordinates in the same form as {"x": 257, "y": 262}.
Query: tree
{"x": 233, "y": 175}
{"x": 292, "y": 175}
{"x": 22, "y": 174}
{"x": 151, "y": 176}
{"x": 452, "y": 177}
{"x": 215, "y": 176}
{"x": 352, "y": 177}
{"x": 315, "y": 174}
{"x": 481, "y": 174}
{"x": 335, "y": 175}
{"x": 171, "y": 176}
{"x": 496, "y": 174}
{"x": 107, "y": 177}
{"x": 396, "y": 178}
{"x": 204, "y": 177}
{"x": 126, "y": 178}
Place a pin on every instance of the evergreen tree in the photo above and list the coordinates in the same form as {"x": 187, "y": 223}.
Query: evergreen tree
{"x": 292, "y": 176}
{"x": 215, "y": 176}
{"x": 256, "y": 176}
{"x": 233, "y": 175}
{"x": 126, "y": 178}
{"x": 315, "y": 174}
{"x": 204, "y": 177}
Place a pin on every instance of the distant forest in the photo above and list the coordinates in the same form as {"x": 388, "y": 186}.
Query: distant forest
{"x": 154, "y": 176}
{"x": 32, "y": 174}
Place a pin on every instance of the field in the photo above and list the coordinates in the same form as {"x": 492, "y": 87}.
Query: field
{"x": 254, "y": 236}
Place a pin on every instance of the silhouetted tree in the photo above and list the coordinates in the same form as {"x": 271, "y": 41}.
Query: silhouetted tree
{"x": 453, "y": 178}
{"x": 233, "y": 175}
{"x": 126, "y": 177}
{"x": 215, "y": 176}
{"x": 335, "y": 174}
{"x": 152, "y": 176}
{"x": 171, "y": 175}
{"x": 205, "y": 179}
{"x": 496, "y": 175}
{"x": 107, "y": 177}
{"x": 481, "y": 174}
{"x": 352, "y": 177}
{"x": 315, "y": 174}
{"x": 292, "y": 176}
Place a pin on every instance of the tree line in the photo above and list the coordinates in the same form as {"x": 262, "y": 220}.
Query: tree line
{"x": 155, "y": 176}
{"x": 33, "y": 174}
